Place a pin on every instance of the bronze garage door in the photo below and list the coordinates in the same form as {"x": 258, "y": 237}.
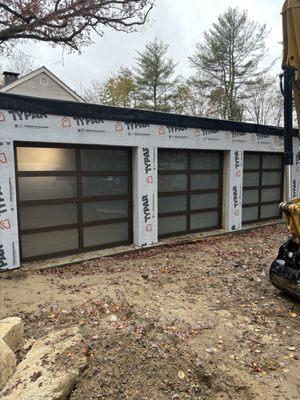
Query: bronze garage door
{"x": 189, "y": 191}
{"x": 262, "y": 186}
{"x": 72, "y": 198}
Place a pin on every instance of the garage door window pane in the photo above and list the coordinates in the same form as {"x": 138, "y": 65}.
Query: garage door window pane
{"x": 174, "y": 224}
{"x": 205, "y": 200}
{"x": 46, "y": 159}
{"x": 270, "y": 211}
{"x": 251, "y": 178}
{"x": 168, "y": 204}
{"x": 49, "y": 215}
{"x": 47, "y": 187}
{"x": 171, "y": 160}
{"x": 104, "y": 210}
{"x": 272, "y": 161}
{"x": 250, "y": 214}
{"x": 272, "y": 194}
{"x": 105, "y": 234}
{"x": 49, "y": 242}
{"x": 251, "y": 161}
{"x": 172, "y": 183}
{"x": 205, "y": 181}
{"x": 271, "y": 178}
{"x": 203, "y": 161}
{"x": 104, "y": 185}
{"x": 205, "y": 220}
{"x": 250, "y": 196}
{"x": 104, "y": 160}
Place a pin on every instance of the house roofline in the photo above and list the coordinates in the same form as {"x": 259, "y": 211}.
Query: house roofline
{"x": 94, "y": 111}
{"x": 12, "y": 85}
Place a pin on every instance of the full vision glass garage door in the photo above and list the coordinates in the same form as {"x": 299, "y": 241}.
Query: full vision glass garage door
{"x": 263, "y": 186}
{"x": 190, "y": 191}
{"x": 72, "y": 198}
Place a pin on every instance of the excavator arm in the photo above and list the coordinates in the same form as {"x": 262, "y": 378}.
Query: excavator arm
{"x": 291, "y": 44}
{"x": 285, "y": 270}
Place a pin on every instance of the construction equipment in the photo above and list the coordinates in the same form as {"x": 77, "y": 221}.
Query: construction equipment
{"x": 285, "y": 270}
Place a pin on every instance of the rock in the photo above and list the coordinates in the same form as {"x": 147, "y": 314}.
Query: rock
{"x": 11, "y": 332}
{"x": 7, "y": 363}
{"x": 50, "y": 369}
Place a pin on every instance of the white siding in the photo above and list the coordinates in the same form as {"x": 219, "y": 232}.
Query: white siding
{"x": 42, "y": 86}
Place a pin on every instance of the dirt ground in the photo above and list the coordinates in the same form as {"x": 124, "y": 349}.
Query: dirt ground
{"x": 197, "y": 321}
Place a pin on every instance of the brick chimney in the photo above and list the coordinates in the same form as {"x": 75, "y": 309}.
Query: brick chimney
{"x": 10, "y": 77}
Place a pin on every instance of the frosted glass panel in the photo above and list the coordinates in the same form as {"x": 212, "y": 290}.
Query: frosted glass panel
{"x": 205, "y": 200}
{"x": 250, "y": 196}
{"x": 49, "y": 242}
{"x": 251, "y": 178}
{"x": 105, "y": 234}
{"x": 104, "y": 160}
{"x": 203, "y": 160}
{"x": 104, "y": 185}
{"x": 272, "y": 194}
{"x": 46, "y": 159}
{"x": 269, "y": 211}
{"x": 47, "y": 187}
{"x": 205, "y": 181}
{"x": 251, "y": 161}
{"x": 172, "y": 183}
{"x": 273, "y": 161}
{"x": 49, "y": 215}
{"x": 271, "y": 178}
{"x": 250, "y": 214}
{"x": 168, "y": 204}
{"x": 170, "y": 225}
{"x": 205, "y": 220}
{"x": 103, "y": 210}
{"x": 172, "y": 160}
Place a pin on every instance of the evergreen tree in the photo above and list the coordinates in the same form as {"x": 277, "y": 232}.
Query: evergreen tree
{"x": 227, "y": 62}
{"x": 154, "y": 77}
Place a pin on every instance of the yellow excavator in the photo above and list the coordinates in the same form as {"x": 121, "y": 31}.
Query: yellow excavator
{"x": 285, "y": 270}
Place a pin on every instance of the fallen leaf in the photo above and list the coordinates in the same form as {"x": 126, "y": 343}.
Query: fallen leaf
{"x": 181, "y": 375}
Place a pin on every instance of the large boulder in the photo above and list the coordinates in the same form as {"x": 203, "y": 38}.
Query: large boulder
{"x": 11, "y": 332}
{"x": 50, "y": 369}
{"x": 7, "y": 363}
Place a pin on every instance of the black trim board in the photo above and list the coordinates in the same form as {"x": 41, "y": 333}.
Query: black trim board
{"x": 95, "y": 111}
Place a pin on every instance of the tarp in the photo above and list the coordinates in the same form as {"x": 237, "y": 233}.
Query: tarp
{"x": 291, "y": 43}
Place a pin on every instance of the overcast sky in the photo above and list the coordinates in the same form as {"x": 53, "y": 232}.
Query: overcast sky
{"x": 180, "y": 23}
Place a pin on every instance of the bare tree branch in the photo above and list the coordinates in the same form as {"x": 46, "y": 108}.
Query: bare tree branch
{"x": 69, "y": 23}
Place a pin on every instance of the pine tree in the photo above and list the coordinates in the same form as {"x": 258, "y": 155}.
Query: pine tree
{"x": 154, "y": 77}
{"x": 227, "y": 62}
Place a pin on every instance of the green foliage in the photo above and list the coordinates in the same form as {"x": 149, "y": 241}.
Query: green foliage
{"x": 154, "y": 77}
{"x": 117, "y": 90}
{"x": 227, "y": 62}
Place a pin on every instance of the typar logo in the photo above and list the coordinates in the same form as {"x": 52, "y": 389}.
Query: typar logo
{"x": 87, "y": 121}
{"x": 253, "y": 137}
{"x": 3, "y": 262}
{"x": 197, "y": 132}
{"x": 3, "y": 158}
{"x": 227, "y": 135}
{"x": 147, "y": 160}
{"x": 146, "y": 208}
{"x": 66, "y": 122}
{"x": 149, "y": 228}
{"x": 2, "y": 117}
{"x": 3, "y": 208}
{"x": 235, "y": 198}
{"x": 236, "y": 213}
{"x": 119, "y": 127}
{"x": 5, "y": 225}
{"x": 149, "y": 180}
{"x": 25, "y": 116}
{"x": 161, "y": 130}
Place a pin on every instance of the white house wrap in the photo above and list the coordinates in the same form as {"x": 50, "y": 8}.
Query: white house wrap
{"x": 28, "y": 120}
